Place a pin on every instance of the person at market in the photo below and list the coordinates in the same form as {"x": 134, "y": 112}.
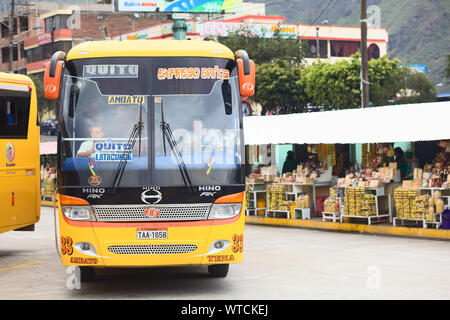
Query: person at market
{"x": 400, "y": 159}
{"x": 257, "y": 170}
{"x": 411, "y": 164}
{"x": 398, "y": 154}
{"x": 289, "y": 164}
{"x": 88, "y": 147}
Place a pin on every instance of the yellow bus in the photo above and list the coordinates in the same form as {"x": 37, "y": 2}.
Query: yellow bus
{"x": 19, "y": 164}
{"x": 150, "y": 153}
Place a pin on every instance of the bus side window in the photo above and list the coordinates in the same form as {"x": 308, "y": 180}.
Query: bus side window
{"x": 11, "y": 113}
{"x": 14, "y": 113}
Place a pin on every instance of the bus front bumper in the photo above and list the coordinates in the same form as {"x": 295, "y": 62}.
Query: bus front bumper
{"x": 100, "y": 244}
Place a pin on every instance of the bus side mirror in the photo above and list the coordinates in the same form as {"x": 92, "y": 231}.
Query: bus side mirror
{"x": 246, "y": 72}
{"x": 52, "y": 75}
{"x": 51, "y": 83}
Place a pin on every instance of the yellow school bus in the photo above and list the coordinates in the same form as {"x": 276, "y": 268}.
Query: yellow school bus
{"x": 150, "y": 153}
{"x": 19, "y": 164}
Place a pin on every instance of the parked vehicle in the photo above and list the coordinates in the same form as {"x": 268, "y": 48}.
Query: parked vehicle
{"x": 49, "y": 127}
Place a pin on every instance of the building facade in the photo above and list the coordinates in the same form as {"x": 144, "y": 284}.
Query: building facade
{"x": 46, "y": 27}
{"x": 42, "y": 28}
{"x": 326, "y": 42}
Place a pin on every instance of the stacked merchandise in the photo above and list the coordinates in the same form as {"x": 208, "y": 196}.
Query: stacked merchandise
{"x": 275, "y": 198}
{"x": 323, "y": 151}
{"x": 433, "y": 176}
{"x": 302, "y": 201}
{"x": 305, "y": 174}
{"x": 247, "y": 196}
{"x": 49, "y": 187}
{"x": 254, "y": 178}
{"x": 436, "y": 174}
{"x": 48, "y": 180}
{"x": 369, "y": 177}
{"x": 269, "y": 173}
{"x": 368, "y": 206}
{"x": 358, "y": 203}
{"x": 411, "y": 205}
{"x": 331, "y": 203}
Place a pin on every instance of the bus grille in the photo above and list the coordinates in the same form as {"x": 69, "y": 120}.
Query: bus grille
{"x": 168, "y": 212}
{"x": 153, "y": 249}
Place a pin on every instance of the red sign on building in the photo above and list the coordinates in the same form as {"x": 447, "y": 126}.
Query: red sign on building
{"x": 44, "y": 38}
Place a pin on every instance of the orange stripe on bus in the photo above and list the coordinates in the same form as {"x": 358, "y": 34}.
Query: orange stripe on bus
{"x": 68, "y": 200}
{"x": 231, "y": 198}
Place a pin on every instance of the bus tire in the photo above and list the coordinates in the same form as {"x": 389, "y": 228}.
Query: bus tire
{"x": 87, "y": 274}
{"x": 218, "y": 270}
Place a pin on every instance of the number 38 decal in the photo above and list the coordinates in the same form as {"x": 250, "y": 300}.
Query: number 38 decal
{"x": 238, "y": 243}
{"x": 66, "y": 245}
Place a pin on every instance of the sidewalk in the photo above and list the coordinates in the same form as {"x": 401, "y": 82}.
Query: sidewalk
{"x": 382, "y": 229}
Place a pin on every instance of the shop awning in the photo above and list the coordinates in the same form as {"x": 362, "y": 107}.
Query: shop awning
{"x": 396, "y": 123}
{"x": 48, "y": 147}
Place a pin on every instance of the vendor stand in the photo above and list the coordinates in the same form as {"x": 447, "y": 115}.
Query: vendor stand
{"x": 378, "y": 181}
{"x": 48, "y": 171}
{"x": 422, "y": 201}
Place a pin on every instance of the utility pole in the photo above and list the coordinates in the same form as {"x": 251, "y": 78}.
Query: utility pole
{"x": 317, "y": 42}
{"x": 11, "y": 34}
{"x": 364, "y": 60}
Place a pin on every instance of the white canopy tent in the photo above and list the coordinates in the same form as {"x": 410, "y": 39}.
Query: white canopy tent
{"x": 396, "y": 123}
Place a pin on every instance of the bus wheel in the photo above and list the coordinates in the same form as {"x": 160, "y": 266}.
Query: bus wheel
{"x": 218, "y": 270}
{"x": 87, "y": 274}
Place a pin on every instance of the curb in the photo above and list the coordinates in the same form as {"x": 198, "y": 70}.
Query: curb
{"x": 352, "y": 227}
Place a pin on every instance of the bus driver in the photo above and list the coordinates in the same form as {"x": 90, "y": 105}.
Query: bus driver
{"x": 88, "y": 147}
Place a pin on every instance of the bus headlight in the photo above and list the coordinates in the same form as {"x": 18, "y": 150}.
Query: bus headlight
{"x": 78, "y": 213}
{"x": 225, "y": 211}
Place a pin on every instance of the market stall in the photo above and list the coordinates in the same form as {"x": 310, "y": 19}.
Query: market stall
{"x": 367, "y": 190}
{"x": 48, "y": 171}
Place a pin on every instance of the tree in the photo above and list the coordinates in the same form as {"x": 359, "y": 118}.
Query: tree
{"x": 44, "y": 105}
{"x": 280, "y": 84}
{"x": 334, "y": 85}
{"x": 386, "y": 78}
{"x": 278, "y": 68}
{"x": 337, "y": 85}
{"x": 417, "y": 88}
{"x": 262, "y": 50}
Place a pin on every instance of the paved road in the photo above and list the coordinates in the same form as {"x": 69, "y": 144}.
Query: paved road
{"x": 280, "y": 263}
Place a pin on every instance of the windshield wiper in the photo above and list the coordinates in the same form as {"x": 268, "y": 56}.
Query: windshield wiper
{"x": 167, "y": 135}
{"x": 135, "y": 134}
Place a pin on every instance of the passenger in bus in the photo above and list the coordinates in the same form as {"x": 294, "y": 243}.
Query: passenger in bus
{"x": 88, "y": 147}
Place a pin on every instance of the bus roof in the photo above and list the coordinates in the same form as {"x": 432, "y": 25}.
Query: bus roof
{"x": 15, "y": 78}
{"x": 149, "y": 48}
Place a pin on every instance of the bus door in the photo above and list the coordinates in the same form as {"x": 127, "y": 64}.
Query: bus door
{"x": 17, "y": 160}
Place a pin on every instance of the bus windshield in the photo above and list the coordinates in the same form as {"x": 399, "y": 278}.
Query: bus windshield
{"x": 151, "y": 122}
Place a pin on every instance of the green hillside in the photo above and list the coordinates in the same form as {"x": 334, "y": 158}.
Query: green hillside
{"x": 419, "y": 30}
